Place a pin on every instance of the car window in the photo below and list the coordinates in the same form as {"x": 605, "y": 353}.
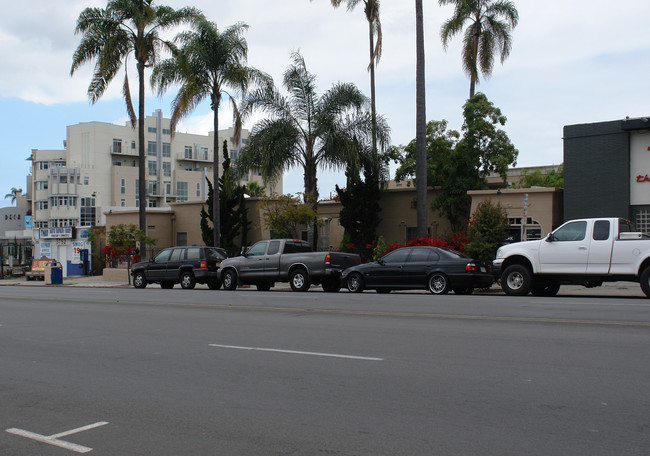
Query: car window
{"x": 397, "y": 256}
{"x": 274, "y": 247}
{"x": 601, "y": 230}
{"x": 419, "y": 255}
{"x": 163, "y": 256}
{"x": 177, "y": 255}
{"x": 296, "y": 247}
{"x": 257, "y": 249}
{"x": 433, "y": 256}
{"x": 194, "y": 253}
{"x": 573, "y": 231}
{"x": 214, "y": 254}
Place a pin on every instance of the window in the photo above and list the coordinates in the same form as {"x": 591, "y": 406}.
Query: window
{"x": 41, "y": 185}
{"x": 573, "y": 231}
{"x": 151, "y": 129}
{"x": 198, "y": 189}
{"x": 188, "y": 151}
{"x": 152, "y": 203}
{"x": 166, "y": 131}
{"x": 163, "y": 256}
{"x": 421, "y": 255}
{"x": 63, "y": 179}
{"x": 167, "y": 150}
{"x": 85, "y": 180}
{"x": 122, "y": 186}
{"x": 151, "y": 148}
{"x": 203, "y": 153}
{"x": 233, "y": 154}
{"x": 601, "y": 230}
{"x": 152, "y": 167}
{"x": 181, "y": 238}
{"x": 117, "y": 146}
{"x": 188, "y": 168}
{"x": 132, "y": 144}
{"x": 168, "y": 188}
{"x": 117, "y": 162}
{"x": 177, "y": 255}
{"x": 397, "y": 256}
{"x": 167, "y": 169}
{"x": 122, "y": 202}
{"x": 257, "y": 249}
{"x": 181, "y": 191}
{"x": 41, "y": 165}
{"x": 152, "y": 188}
{"x": 41, "y": 205}
{"x": 194, "y": 253}
{"x": 274, "y": 247}
{"x": 87, "y": 212}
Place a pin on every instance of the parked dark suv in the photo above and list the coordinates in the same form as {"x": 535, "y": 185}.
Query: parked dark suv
{"x": 187, "y": 265}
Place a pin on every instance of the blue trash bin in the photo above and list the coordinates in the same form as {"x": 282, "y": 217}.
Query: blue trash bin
{"x": 53, "y": 273}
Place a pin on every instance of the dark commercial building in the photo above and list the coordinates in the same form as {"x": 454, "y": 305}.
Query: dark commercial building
{"x": 607, "y": 171}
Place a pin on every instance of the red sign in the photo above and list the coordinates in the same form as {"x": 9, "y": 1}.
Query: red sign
{"x": 641, "y": 178}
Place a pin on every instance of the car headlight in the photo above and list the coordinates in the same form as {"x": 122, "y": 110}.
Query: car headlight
{"x": 499, "y": 253}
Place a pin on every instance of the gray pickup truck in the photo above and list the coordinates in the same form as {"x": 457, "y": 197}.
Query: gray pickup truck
{"x": 285, "y": 260}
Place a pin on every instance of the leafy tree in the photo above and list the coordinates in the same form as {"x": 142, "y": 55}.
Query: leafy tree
{"x": 371, "y": 10}
{"x": 283, "y": 215}
{"x": 458, "y": 164}
{"x": 14, "y": 193}
{"x": 123, "y": 238}
{"x": 420, "y": 123}
{"x": 488, "y": 229}
{"x": 490, "y": 31}
{"x": 110, "y": 35}
{"x": 535, "y": 178}
{"x": 206, "y": 64}
{"x": 255, "y": 190}
{"x": 305, "y": 129}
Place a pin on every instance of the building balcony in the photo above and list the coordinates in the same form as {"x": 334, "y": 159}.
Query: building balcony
{"x": 195, "y": 158}
{"x": 123, "y": 151}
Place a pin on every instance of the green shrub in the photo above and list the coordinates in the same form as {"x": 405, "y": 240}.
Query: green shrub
{"x": 488, "y": 229}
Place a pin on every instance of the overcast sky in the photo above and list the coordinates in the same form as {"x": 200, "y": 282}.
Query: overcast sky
{"x": 572, "y": 61}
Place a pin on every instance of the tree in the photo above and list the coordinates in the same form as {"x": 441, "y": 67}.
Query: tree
{"x": 284, "y": 214}
{"x": 371, "y": 10}
{"x": 206, "y": 64}
{"x": 305, "y": 129}
{"x": 255, "y": 190}
{"x": 14, "y": 193}
{"x": 110, "y": 35}
{"x": 458, "y": 164}
{"x": 488, "y": 230}
{"x": 535, "y": 178}
{"x": 490, "y": 31}
{"x": 420, "y": 124}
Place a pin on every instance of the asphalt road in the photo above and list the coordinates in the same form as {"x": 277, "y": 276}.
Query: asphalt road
{"x": 178, "y": 372}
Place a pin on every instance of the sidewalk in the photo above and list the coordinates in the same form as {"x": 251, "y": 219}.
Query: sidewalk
{"x": 620, "y": 289}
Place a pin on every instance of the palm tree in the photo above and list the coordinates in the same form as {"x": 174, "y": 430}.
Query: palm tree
{"x": 486, "y": 34}
{"x": 371, "y": 9}
{"x": 420, "y": 124}
{"x": 110, "y": 35}
{"x": 14, "y": 193}
{"x": 305, "y": 129}
{"x": 207, "y": 62}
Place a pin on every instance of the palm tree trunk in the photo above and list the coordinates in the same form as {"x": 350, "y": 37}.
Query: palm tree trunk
{"x": 420, "y": 125}
{"x": 142, "y": 183}
{"x": 373, "y": 108}
{"x": 215, "y": 174}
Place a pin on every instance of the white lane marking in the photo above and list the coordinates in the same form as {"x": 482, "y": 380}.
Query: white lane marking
{"x": 54, "y": 439}
{"x": 296, "y": 352}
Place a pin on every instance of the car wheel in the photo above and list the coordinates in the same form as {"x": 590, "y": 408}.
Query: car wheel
{"x": 516, "y": 280}
{"x": 464, "y": 291}
{"x": 438, "y": 283}
{"x": 139, "y": 280}
{"x": 166, "y": 285}
{"x": 545, "y": 289}
{"x": 355, "y": 283}
{"x": 299, "y": 280}
{"x": 264, "y": 286}
{"x": 331, "y": 285}
{"x": 214, "y": 284}
{"x": 645, "y": 281}
{"x": 187, "y": 280}
{"x": 229, "y": 280}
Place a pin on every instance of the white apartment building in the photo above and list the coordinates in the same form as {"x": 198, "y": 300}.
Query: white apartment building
{"x": 97, "y": 172}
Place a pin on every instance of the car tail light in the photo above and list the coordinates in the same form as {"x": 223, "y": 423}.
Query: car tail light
{"x": 204, "y": 264}
{"x": 328, "y": 259}
{"x": 471, "y": 267}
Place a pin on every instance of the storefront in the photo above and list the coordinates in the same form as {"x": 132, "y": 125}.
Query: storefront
{"x": 69, "y": 246}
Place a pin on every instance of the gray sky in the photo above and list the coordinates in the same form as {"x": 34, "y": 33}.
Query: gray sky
{"x": 573, "y": 61}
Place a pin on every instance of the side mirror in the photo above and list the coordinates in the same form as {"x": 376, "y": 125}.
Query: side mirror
{"x": 151, "y": 260}
{"x": 243, "y": 251}
{"x": 380, "y": 261}
{"x": 550, "y": 237}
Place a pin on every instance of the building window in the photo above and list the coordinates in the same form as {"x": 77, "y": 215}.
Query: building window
{"x": 117, "y": 162}
{"x": 181, "y": 191}
{"x": 59, "y": 163}
{"x": 642, "y": 221}
{"x": 188, "y": 151}
{"x": 152, "y": 188}
{"x": 203, "y": 153}
{"x": 87, "y": 211}
{"x": 117, "y": 146}
{"x": 168, "y": 188}
{"x": 152, "y": 203}
{"x": 41, "y": 165}
{"x": 153, "y": 167}
{"x": 181, "y": 238}
{"x": 122, "y": 186}
{"x": 167, "y": 131}
{"x": 85, "y": 180}
{"x": 132, "y": 144}
{"x": 151, "y": 129}
{"x": 63, "y": 179}
{"x": 167, "y": 150}
{"x": 198, "y": 189}
{"x": 233, "y": 154}
{"x": 122, "y": 203}
{"x": 151, "y": 148}
{"x": 167, "y": 169}
{"x": 188, "y": 168}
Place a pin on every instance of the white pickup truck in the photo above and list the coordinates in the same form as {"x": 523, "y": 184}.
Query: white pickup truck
{"x": 580, "y": 252}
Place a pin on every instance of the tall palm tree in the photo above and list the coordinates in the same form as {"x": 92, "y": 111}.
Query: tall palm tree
{"x": 305, "y": 129}
{"x": 110, "y": 36}
{"x": 490, "y": 31}
{"x": 371, "y": 9}
{"x": 420, "y": 124}
{"x": 207, "y": 62}
{"x": 14, "y": 193}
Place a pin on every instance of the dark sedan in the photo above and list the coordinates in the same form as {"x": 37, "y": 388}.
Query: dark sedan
{"x": 436, "y": 269}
